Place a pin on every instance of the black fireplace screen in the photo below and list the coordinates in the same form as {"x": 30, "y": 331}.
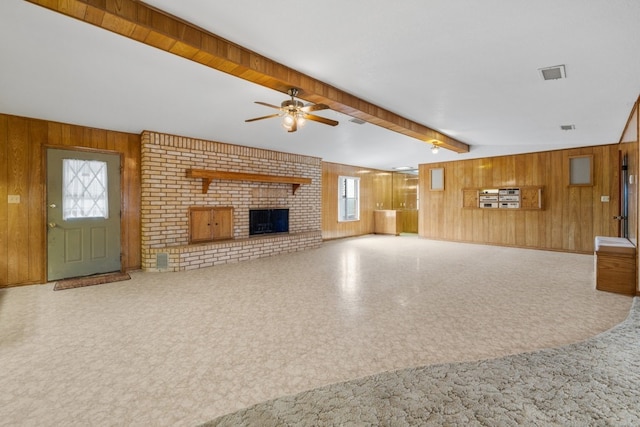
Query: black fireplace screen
{"x": 265, "y": 221}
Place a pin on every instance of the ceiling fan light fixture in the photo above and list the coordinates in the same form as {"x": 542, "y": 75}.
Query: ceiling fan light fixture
{"x": 295, "y": 114}
{"x": 288, "y": 120}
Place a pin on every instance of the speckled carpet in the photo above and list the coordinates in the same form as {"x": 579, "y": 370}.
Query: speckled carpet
{"x": 594, "y": 382}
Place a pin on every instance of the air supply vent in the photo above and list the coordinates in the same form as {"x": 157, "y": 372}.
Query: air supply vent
{"x": 567, "y": 127}
{"x": 357, "y": 121}
{"x": 553, "y": 73}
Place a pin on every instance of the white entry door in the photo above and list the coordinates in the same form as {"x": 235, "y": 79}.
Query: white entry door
{"x": 83, "y": 213}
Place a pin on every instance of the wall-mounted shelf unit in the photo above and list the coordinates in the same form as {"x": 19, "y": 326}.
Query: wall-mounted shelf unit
{"x": 512, "y": 198}
{"x": 208, "y": 175}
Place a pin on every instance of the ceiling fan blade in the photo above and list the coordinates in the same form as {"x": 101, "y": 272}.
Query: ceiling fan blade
{"x": 263, "y": 117}
{"x": 267, "y": 105}
{"x": 316, "y": 107}
{"x": 321, "y": 120}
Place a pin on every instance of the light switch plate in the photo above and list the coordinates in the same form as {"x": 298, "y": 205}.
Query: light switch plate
{"x": 13, "y": 198}
{"x": 604, "y": 198}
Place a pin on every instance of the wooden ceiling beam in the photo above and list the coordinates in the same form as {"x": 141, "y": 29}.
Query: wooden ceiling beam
{"x": 141, "y": 22}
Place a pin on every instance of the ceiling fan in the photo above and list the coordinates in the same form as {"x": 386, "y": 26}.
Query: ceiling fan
{"x": 295, "y": 113}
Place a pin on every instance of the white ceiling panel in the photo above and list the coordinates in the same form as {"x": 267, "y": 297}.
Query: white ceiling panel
{"x": 468, "y": 69}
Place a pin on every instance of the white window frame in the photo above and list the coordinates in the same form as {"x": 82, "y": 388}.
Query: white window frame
{"x": 346, "y": 200}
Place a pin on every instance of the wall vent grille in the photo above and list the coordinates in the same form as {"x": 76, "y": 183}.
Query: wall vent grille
{"x": 162, "y": 260}
{"x": 553, "y": 73}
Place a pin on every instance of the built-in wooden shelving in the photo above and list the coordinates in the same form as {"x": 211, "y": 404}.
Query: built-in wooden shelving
{"x": 520, "y": 198}
{"x": 208, "y": 175}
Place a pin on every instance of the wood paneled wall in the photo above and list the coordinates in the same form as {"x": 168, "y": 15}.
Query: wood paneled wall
{"x": 369, "y": 181}
{"x": 23, "y": 143}
{"x": 375, "y": 188}
{"x": 572, "y": 215}
{"x": 378, "y": 190}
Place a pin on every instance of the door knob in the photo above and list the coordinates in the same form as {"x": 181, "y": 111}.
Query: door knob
{"x": 52, "y": 205}
{"x": 619, "y": 218}
{"x": 52, "y": 225}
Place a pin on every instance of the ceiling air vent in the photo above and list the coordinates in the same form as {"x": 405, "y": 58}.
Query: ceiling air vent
{"x": 553, "y": 73}
{"x": 357, "y": 121}
{"x": 567, "y": 127}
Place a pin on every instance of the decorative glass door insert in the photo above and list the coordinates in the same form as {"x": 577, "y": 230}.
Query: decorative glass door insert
{"x": 85, "y": 190}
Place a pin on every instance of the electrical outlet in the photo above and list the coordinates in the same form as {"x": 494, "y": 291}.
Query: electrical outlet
{"x": 13, "y": 198}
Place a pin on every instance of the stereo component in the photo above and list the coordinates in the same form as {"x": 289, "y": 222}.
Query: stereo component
{"x": 509, "y": 205}
{"x": 489, "y": 205}
{"x": 491, "y": 198}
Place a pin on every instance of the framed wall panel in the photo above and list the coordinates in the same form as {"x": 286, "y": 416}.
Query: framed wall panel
{"x": 581, "y": 170}
{"x": 436, "y": 179}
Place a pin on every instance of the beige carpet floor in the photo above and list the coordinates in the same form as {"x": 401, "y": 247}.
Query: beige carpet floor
{"x": 590, "y": 383}
{"x": 185, "y": 348}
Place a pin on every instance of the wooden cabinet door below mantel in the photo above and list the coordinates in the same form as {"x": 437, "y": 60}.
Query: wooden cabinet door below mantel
{"x": 222, "y": 223}
{"x": 208, "y": 224}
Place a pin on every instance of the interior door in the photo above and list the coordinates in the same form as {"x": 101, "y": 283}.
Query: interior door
{"x": 83, "y": 213}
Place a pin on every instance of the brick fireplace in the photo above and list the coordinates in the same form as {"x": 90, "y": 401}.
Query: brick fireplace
{"x": 168, "y": 194}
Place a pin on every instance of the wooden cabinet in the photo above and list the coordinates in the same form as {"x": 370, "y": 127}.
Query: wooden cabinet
{"x": 387, "y": 222}
{"x": 383, "y": 190}
{"x": 615, "y": 265}
{"x": 470, "y": 198}
{"x": 210, "y": 223}
{"x": 410, "y": 220}
{"x": 531, "y": 198}
{"x": 405, "y": 191}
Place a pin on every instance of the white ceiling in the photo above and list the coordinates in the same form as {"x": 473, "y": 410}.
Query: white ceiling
{"x": 466, "y": 68}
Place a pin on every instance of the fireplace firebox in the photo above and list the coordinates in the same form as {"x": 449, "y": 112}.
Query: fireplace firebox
{"x": 268, "y": 221}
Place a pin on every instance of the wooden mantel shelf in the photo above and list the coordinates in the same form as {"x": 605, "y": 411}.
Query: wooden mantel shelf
{"x": 208, "y": 175}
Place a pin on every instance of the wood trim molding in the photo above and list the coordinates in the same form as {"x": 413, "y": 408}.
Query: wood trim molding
{"x": 140, "y": 22}
{"x": 208, "y": 175}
